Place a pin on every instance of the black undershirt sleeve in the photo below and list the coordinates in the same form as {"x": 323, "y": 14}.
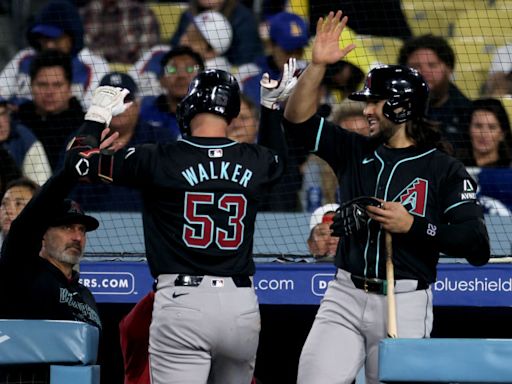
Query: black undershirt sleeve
{"x": 464, "y": 235}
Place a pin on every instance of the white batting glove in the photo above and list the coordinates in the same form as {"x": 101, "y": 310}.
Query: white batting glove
{"x": 107, "y": 101}
{"x": 273, "y": 92}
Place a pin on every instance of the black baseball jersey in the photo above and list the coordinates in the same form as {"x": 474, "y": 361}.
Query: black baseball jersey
{"x": 434, "y": 187}
{"x": 200, "y": 198}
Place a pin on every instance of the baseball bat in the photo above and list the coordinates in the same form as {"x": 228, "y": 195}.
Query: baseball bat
{"x": 390, "y": 277}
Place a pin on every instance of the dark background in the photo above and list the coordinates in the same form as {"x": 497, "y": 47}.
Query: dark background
{"x": 284, "y": 330}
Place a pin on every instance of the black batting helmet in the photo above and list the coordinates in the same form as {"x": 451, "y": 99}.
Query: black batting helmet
{"x": 212, "y": 91}
{"x": 403, "y": 88}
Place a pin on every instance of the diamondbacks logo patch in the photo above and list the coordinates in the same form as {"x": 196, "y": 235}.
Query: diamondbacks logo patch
{"x": 414, "y": 197}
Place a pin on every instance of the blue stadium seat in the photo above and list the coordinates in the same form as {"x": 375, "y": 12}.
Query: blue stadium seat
{"x": 445, "y": 360}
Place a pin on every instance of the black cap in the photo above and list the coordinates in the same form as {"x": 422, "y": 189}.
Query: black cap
{"x": 70, "y": 212}
{"x": 121, "y": 80}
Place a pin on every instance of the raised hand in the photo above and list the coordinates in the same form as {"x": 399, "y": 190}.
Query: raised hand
{"x": 326, "y": 46}
{"x": 273, "y": 92}
{"x": 107, "y": 101}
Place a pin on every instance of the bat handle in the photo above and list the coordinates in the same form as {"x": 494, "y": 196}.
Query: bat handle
{"x": 390, "y": 278}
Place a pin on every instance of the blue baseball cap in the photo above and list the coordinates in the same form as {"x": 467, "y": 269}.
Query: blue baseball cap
{"x": 47, "y": 30}
{"x": 288, "y": 30}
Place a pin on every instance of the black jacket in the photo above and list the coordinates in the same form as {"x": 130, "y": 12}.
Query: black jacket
{"x": 54, "y": 130}
{"x": 30, "y": 286}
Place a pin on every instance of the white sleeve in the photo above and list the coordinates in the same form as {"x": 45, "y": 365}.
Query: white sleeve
{"x": 99, "y": 67}
{"x": 36, "y": 165}
{"x": 502, "y": 60}
{"x": 148, "y": 82}
{"x": 12, "y": 82}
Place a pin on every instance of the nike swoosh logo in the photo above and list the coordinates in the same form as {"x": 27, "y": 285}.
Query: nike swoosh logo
{"x": 367, "y": 160}
{"x": 175, "y": 295}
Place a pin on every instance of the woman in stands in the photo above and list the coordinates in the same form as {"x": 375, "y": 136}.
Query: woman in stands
{"x": 490, "y": 135}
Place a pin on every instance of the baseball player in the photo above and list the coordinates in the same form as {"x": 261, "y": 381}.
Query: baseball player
{"x": 200, "y": 196}
{"x": 418, "y": 193}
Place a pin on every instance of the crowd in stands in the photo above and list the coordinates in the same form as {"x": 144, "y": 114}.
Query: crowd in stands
{"x": 73, "y": 46}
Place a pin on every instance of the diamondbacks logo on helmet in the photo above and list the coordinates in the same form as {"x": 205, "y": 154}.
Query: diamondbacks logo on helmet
{"x": 403, "y": 88}
{"x": 212, "y": 91}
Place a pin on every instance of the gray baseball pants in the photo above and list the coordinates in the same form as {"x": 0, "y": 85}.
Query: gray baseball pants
{"x": 204, "y": 334}
{"x": 349, "y": 325}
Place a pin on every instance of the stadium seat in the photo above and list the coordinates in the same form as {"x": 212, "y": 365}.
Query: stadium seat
{"x": 434, "y": 17}
{"x": 300, "y": 7}
{"x": 168, "y": 15}
{"x": 384, "y": 48}
{"x": 445, "y": 360}
{"x": 361, "y": 56}
{"x": 473, "y": 58}
{"x": 492, "y": 24}
{"x": 507, "y": 103}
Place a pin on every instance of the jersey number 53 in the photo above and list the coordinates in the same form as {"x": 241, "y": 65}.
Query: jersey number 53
{"x": 204, "y": 230}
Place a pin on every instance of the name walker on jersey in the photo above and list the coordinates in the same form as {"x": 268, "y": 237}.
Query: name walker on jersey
{"x": 223, "y": 170}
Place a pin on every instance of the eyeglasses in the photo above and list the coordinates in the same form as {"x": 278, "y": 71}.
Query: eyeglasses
{"x": 171, "y": 70}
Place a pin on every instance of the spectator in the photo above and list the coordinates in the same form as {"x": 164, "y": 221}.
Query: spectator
{"x": 499, "y": 79}
{"x": 246, "y": 46}
{"x": 288, "y": 38}
{"x": 349, "y": 115}
{"x": 27, "y": 151}
{"x": 54, "y": 113}
{"x": 8, "y": 170}
{"x": 433, "y": 57}
{"x": 210, "y": 35}
{"x": 119, "y": 30}
{"x": 44, "y": 244}
{"x": 131, "y": 131}
{"x": 320, "y": 242}
{"x": 57, "y": 26}
{"x": 177, "y": 68}
{"x": 244, "y": 127}
{"x": 341, "y": 79}
{"x": 490, "y": 135}
{"x": 17, "y": 194}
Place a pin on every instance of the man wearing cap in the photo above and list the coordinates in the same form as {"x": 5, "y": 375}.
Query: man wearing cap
{"x": 320, "y": 242}
{"x": 289, "y": 36}
{"x": 57, "y": 26}
{"x": 44, "y": 244}
{"x": 132, "y": 131}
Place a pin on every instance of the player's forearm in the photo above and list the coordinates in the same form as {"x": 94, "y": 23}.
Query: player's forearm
{"x": 271, "y": 134}
{"x": 303, "y": 101}
{"x": 467, "y": 239}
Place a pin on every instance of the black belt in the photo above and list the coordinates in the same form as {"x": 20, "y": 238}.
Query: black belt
{"x": 194, "y": 281}
{"x": 378, "y": 285}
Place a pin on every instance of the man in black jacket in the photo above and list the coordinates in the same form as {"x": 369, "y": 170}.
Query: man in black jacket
{"x": 45, "y": 242}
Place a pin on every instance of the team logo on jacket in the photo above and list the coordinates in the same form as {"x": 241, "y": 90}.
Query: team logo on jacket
{"x": 414, "y": 197}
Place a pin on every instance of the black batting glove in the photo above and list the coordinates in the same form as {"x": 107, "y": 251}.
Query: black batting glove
{"x": 352, "y": 217}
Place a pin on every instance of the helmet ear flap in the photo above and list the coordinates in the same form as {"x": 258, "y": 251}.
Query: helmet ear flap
{"x": 398, "y": 110}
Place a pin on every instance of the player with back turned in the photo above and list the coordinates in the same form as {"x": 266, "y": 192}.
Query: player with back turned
{"x": 413, "y": 190}
{"x": 200, "y": 197}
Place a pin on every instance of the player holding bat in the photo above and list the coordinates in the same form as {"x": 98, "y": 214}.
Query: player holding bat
{"x": 397, "y": 181}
